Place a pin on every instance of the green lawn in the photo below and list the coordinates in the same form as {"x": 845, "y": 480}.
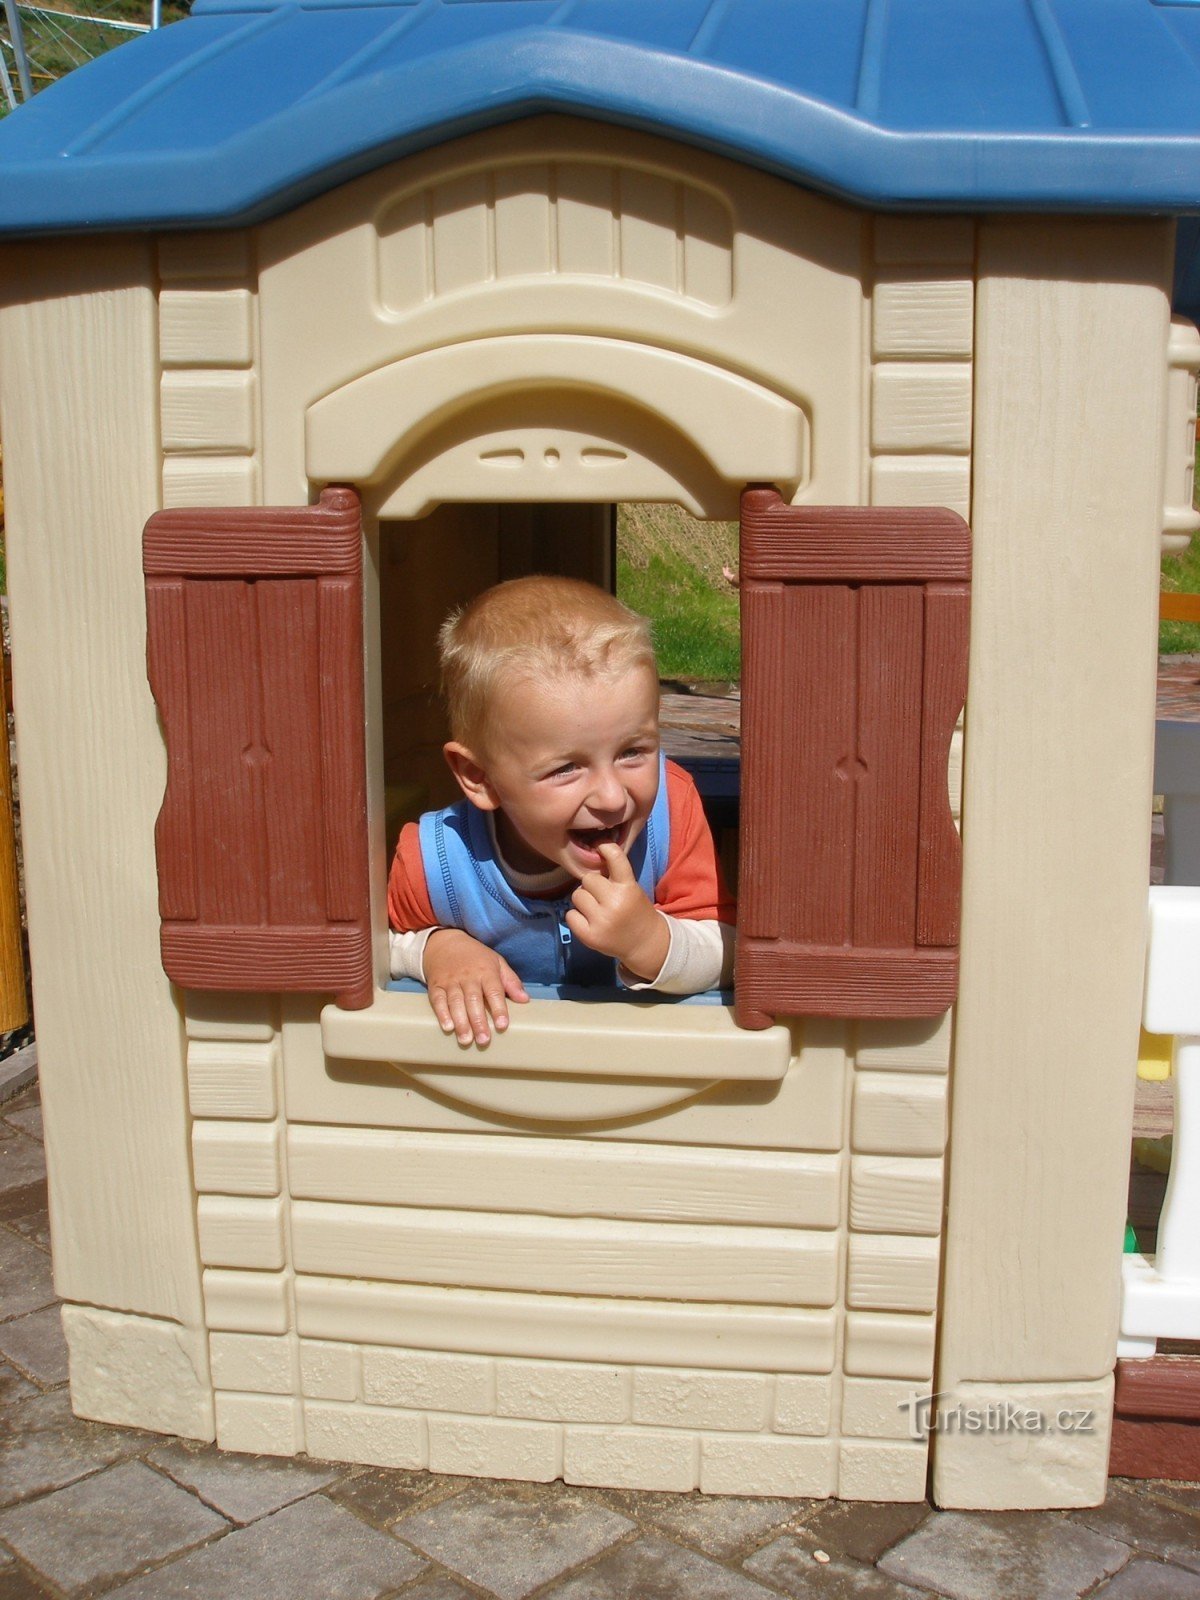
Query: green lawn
{"x": 1181, "y": 575}
{"x": 669, "y": 567}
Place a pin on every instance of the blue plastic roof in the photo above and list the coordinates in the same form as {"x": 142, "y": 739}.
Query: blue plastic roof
{"x": 246, "y": 108}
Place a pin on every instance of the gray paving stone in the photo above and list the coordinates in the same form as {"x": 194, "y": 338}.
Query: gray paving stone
{"x": 42, "y": 1446}
{"x": 39, "y": 1411}
{"x": 1149, "y": 1580}
{"x": 511, "y": 1539}
{"x": 652, "y": 1568}
{"x": 16, "y": 1584}
{"x": 36, "y": 1345}
{"x": 1029, "y": 1555}
{"x": 860, "y": 1529}
{"x": 26, "y": 1115}
{"x": 26, "y": 1214}
{"x": 1184, "y": 1495}
{"x": 22, "y": 1162}
{"x": 96, "y": 1532}
{"x": 719, "y": 1525}
{"x": 1147, "y": 1524}
{"x": 12, "y": 1385}
{"x": 25, "y": 1210}
{"x": 26, "y": 1283}
{"x": 18, "y": 1072}
{"x": 379, "y": 1495}
{"x": 242, "y": 1488}
{"x": 312, "y": 1550}
{"x": 789, "y": 1564}
{"x": 440, "y": 1588}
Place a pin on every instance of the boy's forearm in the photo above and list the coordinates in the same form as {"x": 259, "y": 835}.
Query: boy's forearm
{"x": 406, "y": 953}
{"x": 649, "y": 948}
{"x": 700, "y": 956}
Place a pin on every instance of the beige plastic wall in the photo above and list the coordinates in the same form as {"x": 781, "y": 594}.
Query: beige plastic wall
{"x": 1066, "y": 513}
{"x": 730, "y": 1287}
{"x": 79, "y": 409}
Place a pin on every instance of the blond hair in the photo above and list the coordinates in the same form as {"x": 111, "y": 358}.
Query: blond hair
{"x": 535, "y": 628}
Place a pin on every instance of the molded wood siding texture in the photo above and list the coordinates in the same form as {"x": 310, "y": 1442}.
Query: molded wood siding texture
{"x": 255, "y": 658}
{"x": 855, "y": 638}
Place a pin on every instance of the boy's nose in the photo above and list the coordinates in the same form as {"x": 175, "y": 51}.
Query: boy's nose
{"x": 608, "y": 793}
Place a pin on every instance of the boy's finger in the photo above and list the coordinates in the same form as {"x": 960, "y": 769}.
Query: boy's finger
{"x": 477, "y": 1012}
{"x": 578, "y": 925}
{"x": 493, "y": 993}
{"x": 458, "y": 1011}
{"x": 441, "y": 1010}
{"x": 585, "y": 902}
{"x": 513, "y": 987}
{"x": 616, "y": 863}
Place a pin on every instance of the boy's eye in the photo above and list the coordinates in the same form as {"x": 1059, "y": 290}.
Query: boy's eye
{"x": 566, "y": 768}
{"x": 635, "y": 751}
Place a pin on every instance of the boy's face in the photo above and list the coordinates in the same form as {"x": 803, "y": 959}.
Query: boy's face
{"x": 566, "y": 766}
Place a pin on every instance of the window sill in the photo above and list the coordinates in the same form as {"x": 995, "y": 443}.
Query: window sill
{"x": 609, "y": 1039}
{"x": 583, "y": 1055}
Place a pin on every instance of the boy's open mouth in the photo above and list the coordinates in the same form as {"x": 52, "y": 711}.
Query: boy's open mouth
{"x": 592, "y": 838}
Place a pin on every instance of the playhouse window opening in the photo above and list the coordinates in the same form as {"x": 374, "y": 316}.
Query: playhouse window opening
{"x": 676, "y": 569}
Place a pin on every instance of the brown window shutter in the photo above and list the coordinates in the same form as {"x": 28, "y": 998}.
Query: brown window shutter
{"x": 854, "y": 631}
{"x": 255, "y": 657}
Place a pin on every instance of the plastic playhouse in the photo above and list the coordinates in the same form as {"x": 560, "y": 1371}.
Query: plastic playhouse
{"x": 317, "y": 319}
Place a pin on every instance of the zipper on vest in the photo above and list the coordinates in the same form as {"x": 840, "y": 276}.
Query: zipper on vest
{"x": 564, "y": 947}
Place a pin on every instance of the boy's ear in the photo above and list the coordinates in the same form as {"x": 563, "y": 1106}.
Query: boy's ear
{"x": 472, "y": 778}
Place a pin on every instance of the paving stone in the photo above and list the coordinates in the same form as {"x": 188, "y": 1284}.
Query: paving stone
{"x": 719, "y": 1525}
{"x": 381, "y": 1494}
{"x": 1149, "y": 1580}
{"x": 242, "y": 1488}
{"x": 12, "y": 1385}
{"x": 22, "y": 1163}
{"x": 25, "y": 1210}
{"x": 26, "y": 1283}
{"x": 312, "y": 1550}
{"x": 36, "y": 1345}
{"x": 84, "y": 1536}
{"x": 42, "y": 1446}
{"x": 652, "y": 1568}
{"x": 790, "y": 1565}
{"x": 26, "y": 1115}
{"x": 16, "y": 1584}
{"x": 440, "y": 1589}
{"x": 17, "y": 1072}
{"x": 860, "y": 1529}
{"x": 1146, "y": 1524}
{"x": 511, "y": 1539}
{"x": 1186, "y": 1496}
{"x": 1026, "y": 1555}
{"x": 39, "y": 1411}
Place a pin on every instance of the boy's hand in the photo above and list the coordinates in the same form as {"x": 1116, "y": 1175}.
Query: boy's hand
{"x": 467, "y": 980}
{"x": 612, "y": 913}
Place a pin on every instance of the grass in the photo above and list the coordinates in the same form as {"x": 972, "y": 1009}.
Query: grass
{"x": 669, "y": 567}
{"x": 1181, "y": 575}
{"x": 56, "y": 45}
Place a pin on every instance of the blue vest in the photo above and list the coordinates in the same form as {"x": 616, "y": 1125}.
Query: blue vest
{"x": 468, "y": 890}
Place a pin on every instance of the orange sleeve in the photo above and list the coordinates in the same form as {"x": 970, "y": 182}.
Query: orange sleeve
{"x": 693, "y": 885}
{"x": 409, "y": 905}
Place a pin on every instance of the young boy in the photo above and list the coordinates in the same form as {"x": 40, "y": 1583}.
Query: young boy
{"x": 578, "y": 855}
